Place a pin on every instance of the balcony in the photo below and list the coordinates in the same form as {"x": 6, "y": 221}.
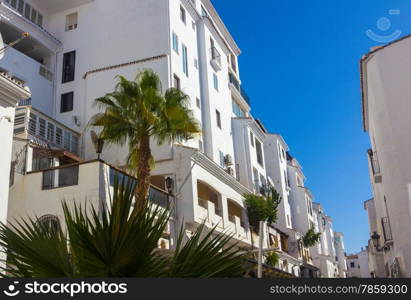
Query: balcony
{"x": 215, "y": 59}
{"x": 237, "y": 89}
{"x": 60, "y": 177}
{"x": 54, "y": 6}
{"x": 386, "y": 228}
{"x": 32, "y": 124}
{"x": 375, "y": 166}
{"x": 236, "y": 217}
{"x": 13, "y": 23}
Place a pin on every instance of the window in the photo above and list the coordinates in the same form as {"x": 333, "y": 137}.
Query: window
{"x": 287, "y": 182}
{"x": 183, "y": 14}
{"x": 20, "y": 7}
{"x": 352, "y": 265}
{"x": 27, "y": 10}
{"x": 263, "y": 182}
{"x": 203, "y": 12}
{"x": 218, "y": 117}
{"x": 259, "y": 152}
{"x": 50, "y": 132}
{"x": 71, "y": 21}
{"x": 50, "y": 222}
{"x": 13, "y": 3}
{"x": 69, "y": 62}
{"x": 67, "y": 141}
{"x": 74, "y": 144}
{"x": 175, "y": 43}
{"x": 215, "y": 81}
{"x": 238, "y": 112}
{"x": 252, "y": 139}
{"x": 59, "y": 136}
{"x": 221, "y": 154}
{"x": 196, "y": 63}
{"x": 66, "y": 102}
{"x": 185, "y": 59}
{"x": 33, "y": 17}
{"x": 309, "y": 208}
{"x": 33, "y": 124}
{"x": 176, "y": 82}
{"x": 42, "y": 128}
{"x": 198, "y": 103}
{"x": 256, "y": 181}
{"x": 40, "y": 20}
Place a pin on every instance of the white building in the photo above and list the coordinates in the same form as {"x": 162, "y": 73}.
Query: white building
{"x": 11, "y": 91}
{"x": 71, "y": 59}
{"x": 386, "y": 118}
{"x": 358, "y": 265}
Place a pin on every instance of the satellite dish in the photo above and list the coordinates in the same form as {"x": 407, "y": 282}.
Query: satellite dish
{"x": 1, "y": 47}
{"x": 97, "y": 142}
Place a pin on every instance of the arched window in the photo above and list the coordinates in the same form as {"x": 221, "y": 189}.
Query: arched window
{"x": 51, "y": 223}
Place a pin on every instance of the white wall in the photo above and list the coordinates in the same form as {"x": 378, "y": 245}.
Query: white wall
{"x": 389, "y": 126}
{"x": 6, "y": 137}
{"x": 27, "y": 69}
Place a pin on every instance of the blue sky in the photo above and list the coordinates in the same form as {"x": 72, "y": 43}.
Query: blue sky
{"x": 300, "y": 67}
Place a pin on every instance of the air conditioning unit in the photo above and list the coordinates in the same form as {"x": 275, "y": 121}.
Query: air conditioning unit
{"x": 77, "y": 120}
{"x": 228, "y": 160}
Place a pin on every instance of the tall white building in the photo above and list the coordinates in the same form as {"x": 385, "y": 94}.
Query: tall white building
{"x": 386, "y": 118}
{"x": 11, "y": 91}
{"x": 75, "y": 51}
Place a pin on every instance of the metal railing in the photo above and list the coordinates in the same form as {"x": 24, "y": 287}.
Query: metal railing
{"x": 41, "y": 126}
{"x": 159, "y": 198}
{"x": 386, "y": 228}
{"x": 60, "y": 177}
{"x": 156, "y": 196}
{"x": 234, "y": 81}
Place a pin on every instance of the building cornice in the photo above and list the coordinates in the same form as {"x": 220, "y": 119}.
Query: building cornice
{"x": 11, "y": 92}
{"x": 221, "y": 26}
{"x": 219, "y": 173}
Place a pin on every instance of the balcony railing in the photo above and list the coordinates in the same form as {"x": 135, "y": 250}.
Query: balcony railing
{"x": 234, "y": 81}
{"x": 156, "y": 196}
{"x": 159, "y": 198}
{"x": 215, "y": 58}
{"x": 386, "y": 228}
{"x": 375, "y": 165}
{"x": 37, "y": 124}
{"x": 60, "y": 177}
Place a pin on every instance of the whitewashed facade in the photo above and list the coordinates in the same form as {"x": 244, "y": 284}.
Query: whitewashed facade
{"x": 75, "y": 51}
{"x": 386, "y": 118}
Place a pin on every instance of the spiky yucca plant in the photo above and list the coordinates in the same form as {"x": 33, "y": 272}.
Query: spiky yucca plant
{"x": 115, "y": 243}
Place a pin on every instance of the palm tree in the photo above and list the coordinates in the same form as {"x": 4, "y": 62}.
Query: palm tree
{"x": 261, "y": 208}
{"x": 115, "y": 243}
{"x": 136, "y": 112}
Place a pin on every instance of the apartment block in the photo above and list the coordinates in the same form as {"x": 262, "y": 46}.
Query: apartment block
{"x": 70, "y": 59}
{"x": 386, "y": 119}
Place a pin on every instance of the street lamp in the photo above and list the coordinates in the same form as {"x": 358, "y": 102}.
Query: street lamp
{"x": 375, "y": 237}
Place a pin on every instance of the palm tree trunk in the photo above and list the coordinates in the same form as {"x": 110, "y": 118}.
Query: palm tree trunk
{"x": 143, "y": 174}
